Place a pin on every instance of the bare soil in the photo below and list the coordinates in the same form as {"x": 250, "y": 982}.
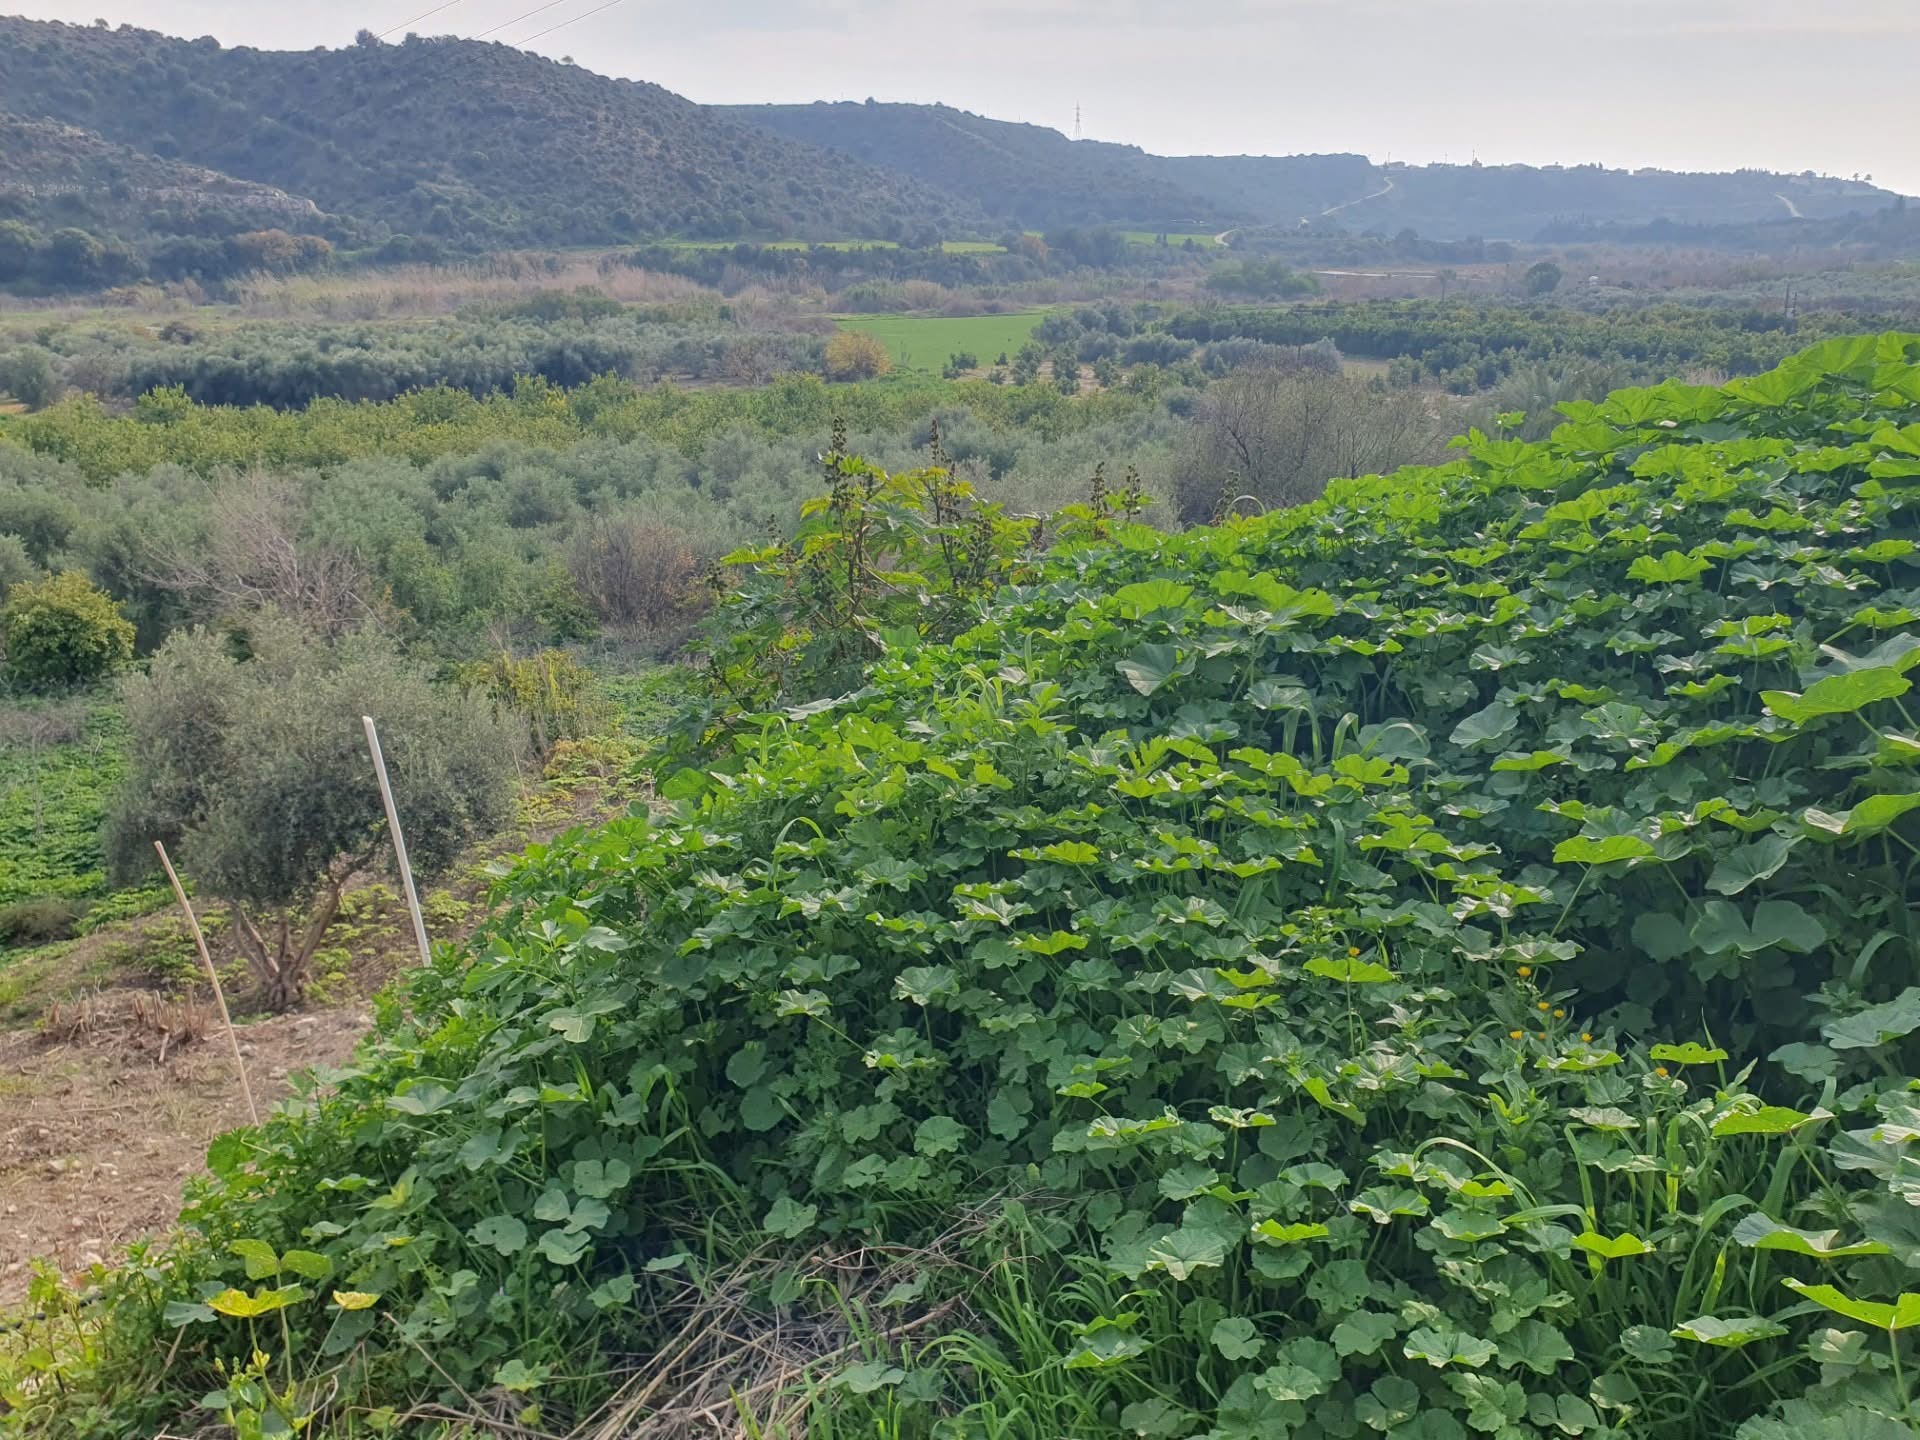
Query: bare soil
{"x": 115, "y": 1074}
{"x": 99, "y": 1132}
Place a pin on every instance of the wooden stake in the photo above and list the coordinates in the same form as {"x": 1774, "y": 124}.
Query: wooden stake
{"x": 399, "y": 842}
{"x": 213, "y": 978}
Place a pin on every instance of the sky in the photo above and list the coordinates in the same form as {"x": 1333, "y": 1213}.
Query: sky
{"x": 1682, "y": 84}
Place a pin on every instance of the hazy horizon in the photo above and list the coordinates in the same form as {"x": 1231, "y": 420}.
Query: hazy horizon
{"x": 1720, "y": 85}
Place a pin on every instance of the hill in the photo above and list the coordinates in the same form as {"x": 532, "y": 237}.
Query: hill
{"x": 1028, "y": 174}
{"x": 474, "y": 144}
{"x": 1517, "y": 202}
{"x": 1277, "y": 189}
{"x": 54, "y": 175}
{"x": 1039, "y": 177}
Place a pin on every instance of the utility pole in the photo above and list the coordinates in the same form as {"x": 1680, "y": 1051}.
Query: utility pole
{"x": 1078, "y": 134}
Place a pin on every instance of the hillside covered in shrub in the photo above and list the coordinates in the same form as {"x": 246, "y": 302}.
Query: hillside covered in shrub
{"x": 1432, "y": 962}
{"x": 473, "y": 143}
{"x": 1040, "y": 177}
{"x": 53, "y": 176}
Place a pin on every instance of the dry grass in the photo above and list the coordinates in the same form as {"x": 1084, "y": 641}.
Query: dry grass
{"x": 129, "y": 1022}
{"x": 410, "y": 290}
{"x": 734, "y": 1365}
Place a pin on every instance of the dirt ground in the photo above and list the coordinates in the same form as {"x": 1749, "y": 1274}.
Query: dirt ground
{"x": 114, "y": 1072}
{"x": 99, "y": 1132}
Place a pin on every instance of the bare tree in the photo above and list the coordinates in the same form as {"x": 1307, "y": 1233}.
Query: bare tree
{"x": 253, "y": 557}
{"x": 1278, "y": 433}
{"x": 631, "y": 570}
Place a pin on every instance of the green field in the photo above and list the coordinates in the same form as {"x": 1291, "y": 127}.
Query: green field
{"x": 783, "y": 244}
{"x": 1174, "y": 238}
{"x": 58, "y": 764}
{"x": 923, "y": 342}
{"x": 952, "y": 247}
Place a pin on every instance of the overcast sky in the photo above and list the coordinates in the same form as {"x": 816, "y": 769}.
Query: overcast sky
{"x": 1688, "y": 84}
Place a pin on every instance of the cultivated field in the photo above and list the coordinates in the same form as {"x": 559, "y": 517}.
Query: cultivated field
{"x": 923, "y": 342}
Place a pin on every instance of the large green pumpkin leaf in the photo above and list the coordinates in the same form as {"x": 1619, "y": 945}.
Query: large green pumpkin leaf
{"x": 1486, "y": 727}
{"x": 1600, "y": 850}
{"x": 1762, "y": 860}
{"x": 1611, "y": 1247}
{"x": 1877, "y": 1025}
{"x": 1903, "y": 1314}
{"x": 1152, "y": 666}
{"x": 1762, "y": 1233}
{"x": 1441, "y": 1348}
{"x": 1729, "y": 1334}
{"x": 1838, "y": 694}
{"x": 1871, "y": 816}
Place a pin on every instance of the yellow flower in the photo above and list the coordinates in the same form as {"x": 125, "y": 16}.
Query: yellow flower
{"x": 1545, "y": 1006}
{"x": 1352, "y": 950}
{"x": 1586, "y": 1037}
{"x": 1661, "y": 1071}
{"x": 1559, "y": 1014}
{"x": 1525, "y": 971}
{"x": 1515, "y": 1035}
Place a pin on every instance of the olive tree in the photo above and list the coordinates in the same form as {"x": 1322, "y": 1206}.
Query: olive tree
{"x": 254, "y": 773}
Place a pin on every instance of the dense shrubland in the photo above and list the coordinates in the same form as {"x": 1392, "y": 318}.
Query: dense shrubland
{"x": 1014, "y": 259}
{"x": 1468, "y": 346}
{"x": 72, "y": 258}
{"x": 472, "y": 145}
{"x": 568, "y": 337}
{"x": 1433, "y": 961}
{"x": 547, "y": 512}
{"x": 168, "y": 428}
{"x": 563, "y": 339}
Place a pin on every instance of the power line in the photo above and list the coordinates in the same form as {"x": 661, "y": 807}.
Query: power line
{"x": 509, "y": 24}
{"x": 447, "y": 5}
{"x": 564, "y": 23}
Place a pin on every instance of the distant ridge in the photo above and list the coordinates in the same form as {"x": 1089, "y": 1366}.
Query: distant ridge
{"x": 472, "y": 143}
{"x": 1039, "y": 177}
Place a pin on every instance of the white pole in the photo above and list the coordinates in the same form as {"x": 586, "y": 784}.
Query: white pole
{"x": 399, "y": 842}
{"x": 213, "y": 978}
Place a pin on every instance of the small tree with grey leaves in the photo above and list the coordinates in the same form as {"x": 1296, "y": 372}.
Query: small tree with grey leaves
{"x": 254, "y": 772}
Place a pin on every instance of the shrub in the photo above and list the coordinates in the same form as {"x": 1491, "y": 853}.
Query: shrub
{"x": 16, "y": 563}
{"x": 554, "y": 695}
{"x": 562, "y": 609}
{"x": 27, "y": 375}
{"x": 1266, "y": 279}
{"x": 633, "y": 571}
{"x": 255, "y": 774}
{"x": 62, "y": 631}
{"x": 39, "y": 922}
{"x": 881, "y": 559}
{"x": 856, "y": 355}
{"x": 1274, "y": 433}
